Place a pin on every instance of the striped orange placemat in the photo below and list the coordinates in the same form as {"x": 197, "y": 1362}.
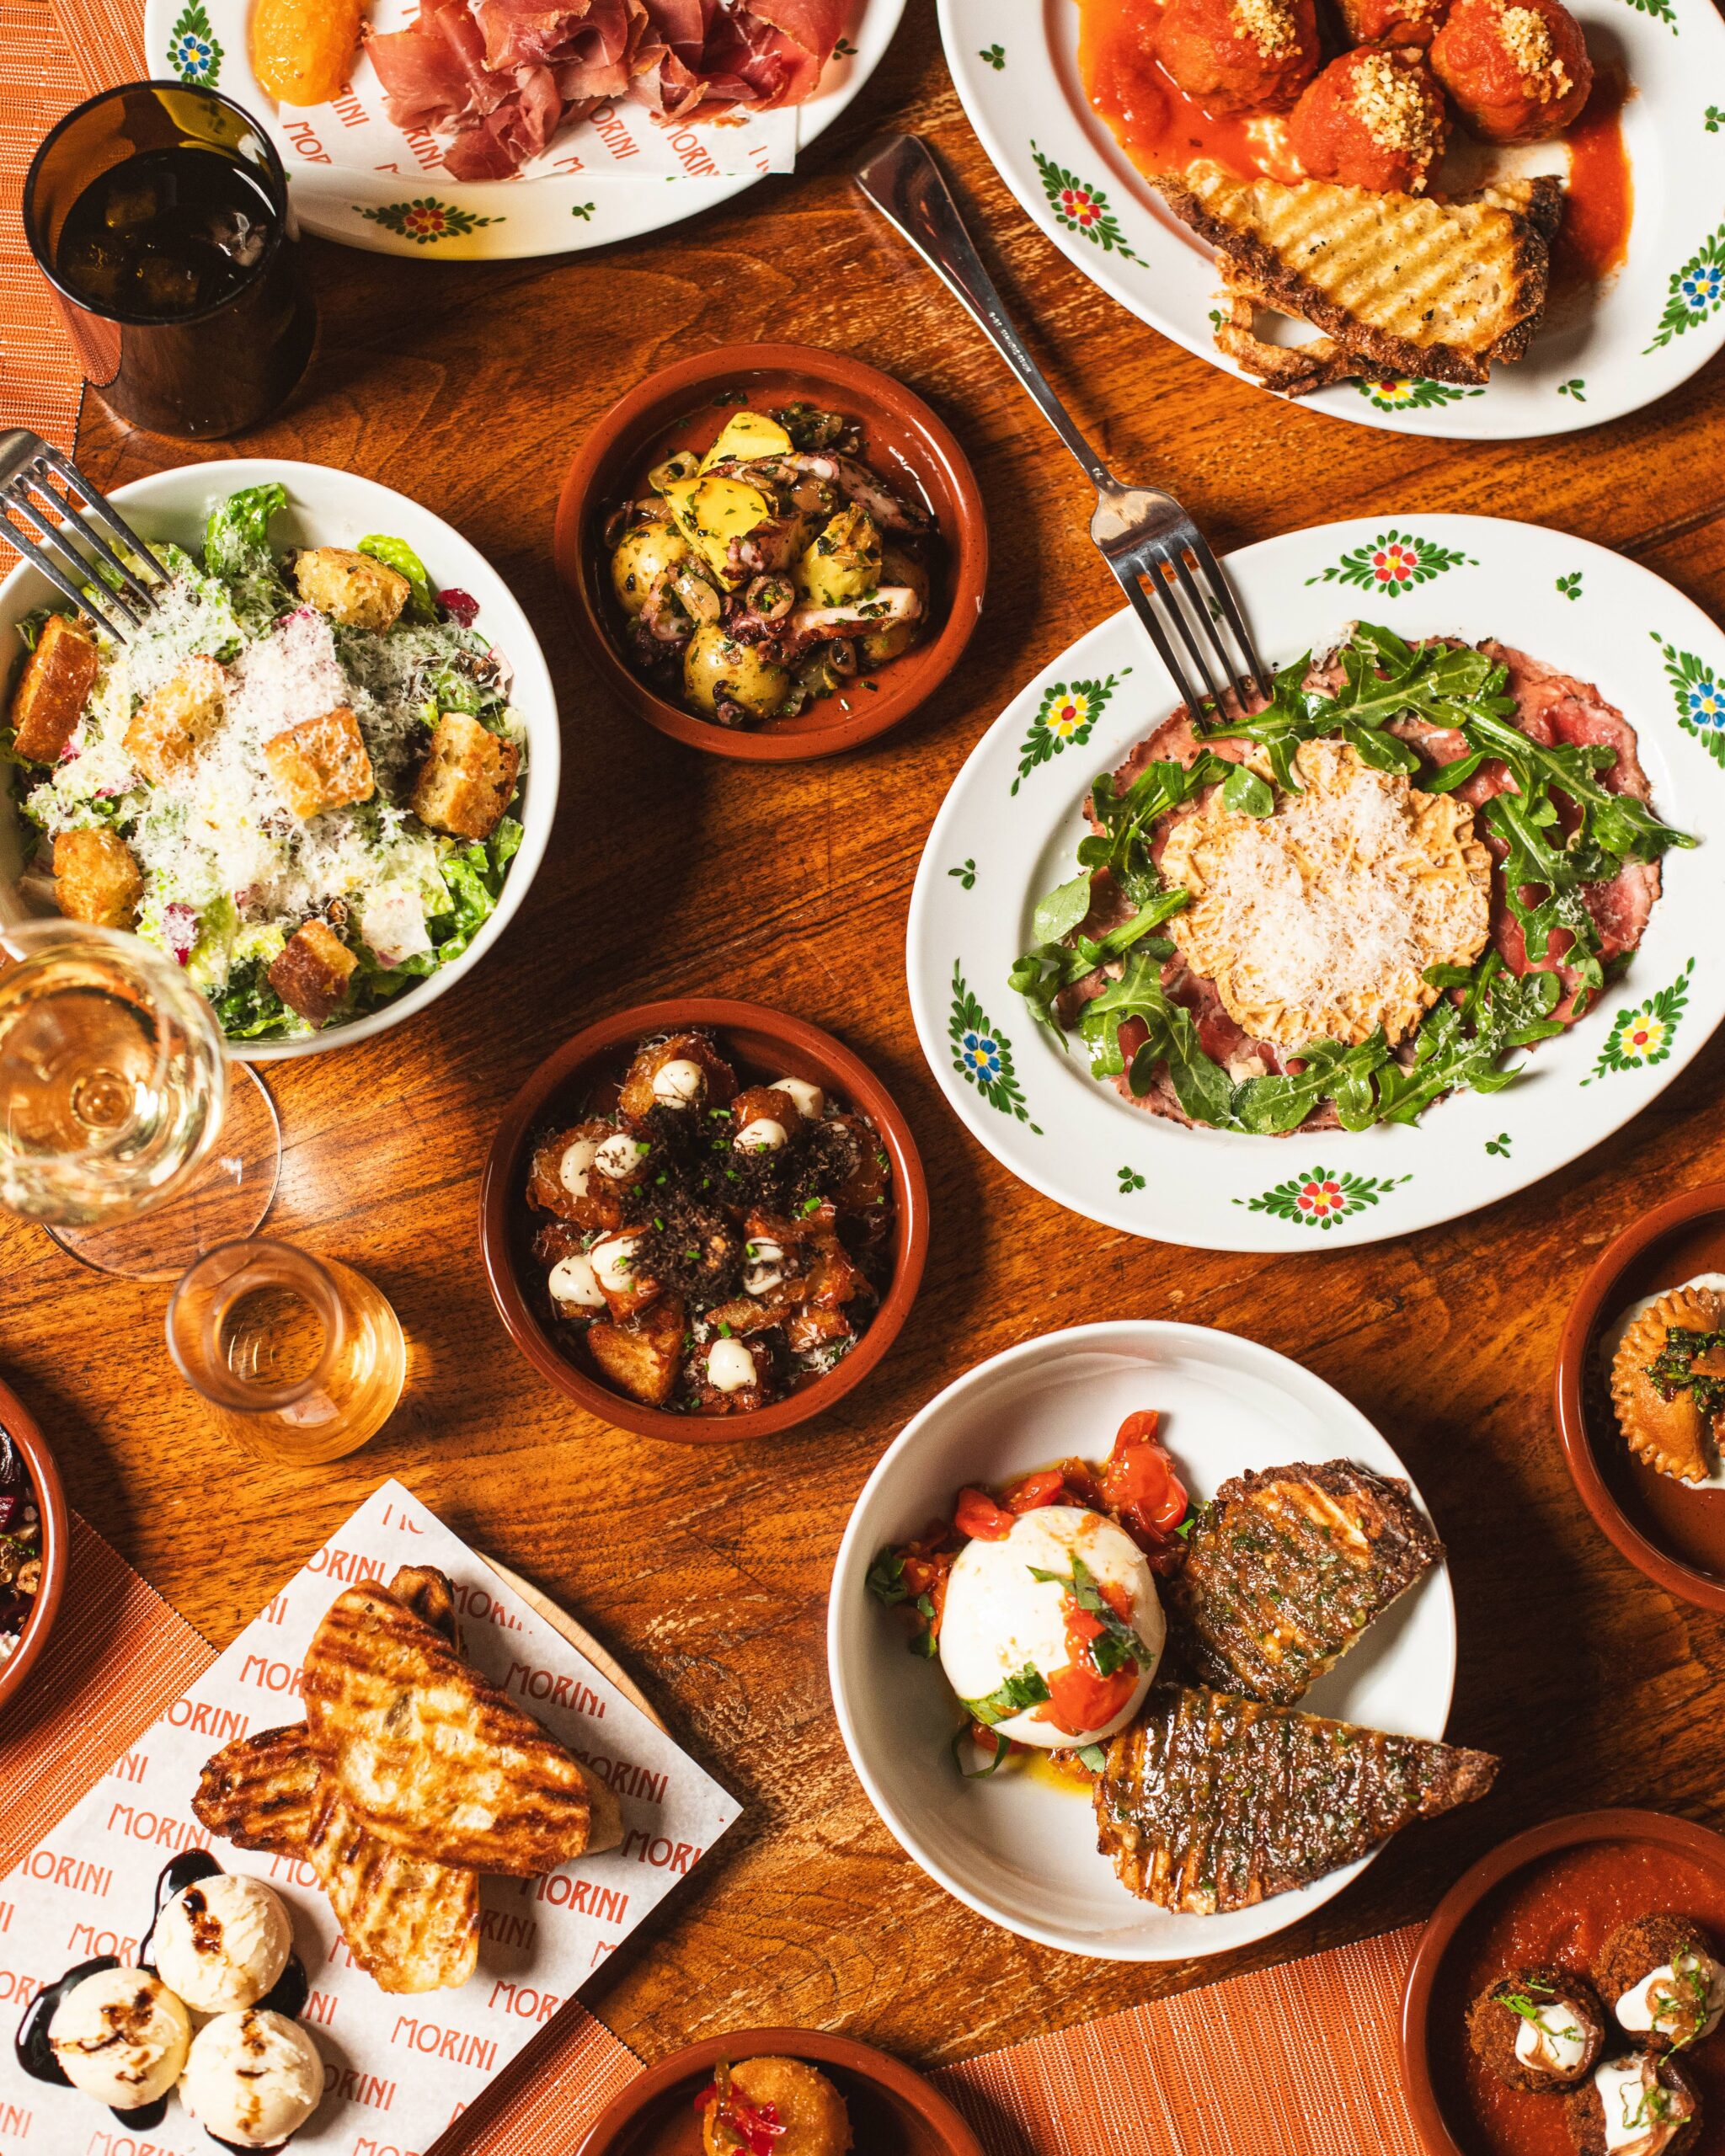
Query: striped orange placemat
{"x": 39, "y": 383}
{"x": 1295, "y": 2061}
{"x": 118, "y": 1658}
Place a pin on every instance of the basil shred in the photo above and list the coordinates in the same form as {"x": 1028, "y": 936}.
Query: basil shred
{"x": 1465, "y": 1036}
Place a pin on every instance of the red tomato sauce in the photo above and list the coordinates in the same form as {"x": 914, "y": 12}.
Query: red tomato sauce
{"x": 1561, "y": 1909}
{"x": 1161, "y": 130}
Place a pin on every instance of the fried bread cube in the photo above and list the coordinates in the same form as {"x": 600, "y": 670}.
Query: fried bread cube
{"x": 96, "y": 878}
{"x": 466, "y": 778}
{"x": 169, "y": 729}
{"x": 49, "y": 699}
{"x": 351, "y": 587}
{"x": 322, "y": 763}
{"x": 313, "y": 972}
{"x": 642, "y": 1356}
{"x": 684, "y": 1071}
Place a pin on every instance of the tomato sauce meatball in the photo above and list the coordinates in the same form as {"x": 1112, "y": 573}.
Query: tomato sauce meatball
{"x": 1391, "y": 22}
{"x": 1240, "y": 56}
{"x": 1517, "y": 69}
{"x": 1538, "y": 2029}
{"x": 1374, "y": 120}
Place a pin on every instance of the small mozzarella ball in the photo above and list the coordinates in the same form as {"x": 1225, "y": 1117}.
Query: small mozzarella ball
{"x": 612, "y": 1259}
{"x": 679, "y": 1083}
{"x": 763, "y": 1135}
{"x": 764, "y": 1266}
{"x": 809, "y": 1099}
{"x": 574, "y": 1279}
{"x": 729, "y": 1366}
{"x": 619, "y": 1155}
{"x": 573, "y": 1169}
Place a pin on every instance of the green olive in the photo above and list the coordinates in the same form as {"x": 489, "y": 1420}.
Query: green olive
{"x": 897, "y": 566}
{"x": 716, "y": 667}
{"x": 880, "y": 645}
{"x": 642, "y": 554}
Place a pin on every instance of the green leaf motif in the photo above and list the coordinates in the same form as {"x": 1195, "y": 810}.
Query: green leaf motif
{"x": 584, "y": 211}
{"x": 1066, "y": 718}
{"x": 982, "y": 1055}
{"x": 1576, "y": 387}
{"x": 1499, "y": 1145}
{"x": 1404, "y": 394}
{"x": 1643, "y": 1036}
{"x": 966, "y": 875}
{"x": 995, "y": 55}
{"x": 1700, "y": 694}
{"x": 1130, "y": 1180}
{"x": 425, "y": 221}
{"x": 1713, "y": 119}
{"x": 1570, "y": 585}
{"x": 1697, "y": 291}
{"x": 193, "y": 51}
{"x": 1320, "y": 1198}
{"x": 1392, "y": 563}
{"x": 1082, "y": 209}
{"x": 1662, "y": 10}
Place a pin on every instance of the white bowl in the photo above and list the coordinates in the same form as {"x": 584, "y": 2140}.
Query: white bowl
{"x": 1019, "y": 1848}
{"x": 326, "y": 507}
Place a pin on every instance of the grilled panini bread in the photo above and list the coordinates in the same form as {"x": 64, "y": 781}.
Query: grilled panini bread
{"x": 1285, "y": 1569}
{"x": 413, "y": 1926}
{"x": 1402, "y": 283}
{"x": 435, "y": 1759}
{"x": 1210, "y": 1802}
{"x": 261, "y": 1791}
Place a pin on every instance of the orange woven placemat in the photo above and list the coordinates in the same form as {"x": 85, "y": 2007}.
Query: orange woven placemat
{"x": 119, "y": 1658}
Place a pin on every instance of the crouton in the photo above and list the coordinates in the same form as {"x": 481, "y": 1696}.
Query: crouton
{"x": 642, "y": 1357}
{"x": 322, "y": 763}
{"x": 168, "y": 729}
{"x": 466, "y": 778}
{"x": 49, "y": 700}
{"x": 96, "y": 879}
{"x": 351, "y": 587}
{"x": 684, "y": 1071}
{"x": 313, "y": 974}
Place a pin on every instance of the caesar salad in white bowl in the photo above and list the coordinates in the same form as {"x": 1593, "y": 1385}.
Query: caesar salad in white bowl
{"x": 321, "y": 774}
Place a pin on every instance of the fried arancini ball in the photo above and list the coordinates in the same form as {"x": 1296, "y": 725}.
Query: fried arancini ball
{"x": 1658, "y": 2107}
{"x": 1240, "y": 56}
{"x": 1685, "y": 2000}
{"x": 807, "y": 2112}
{"x": 1391, "y": 22}
{"x": 1372, "y": 118}
{"x": 1518, "y": 70}
{"x": 1538, "y": 2029}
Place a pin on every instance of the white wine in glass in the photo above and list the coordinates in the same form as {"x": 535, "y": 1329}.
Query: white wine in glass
{"x": 114, "y": 1095}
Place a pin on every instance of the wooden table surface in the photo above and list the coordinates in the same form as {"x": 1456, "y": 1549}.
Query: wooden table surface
{"x": 706, "y": 1568}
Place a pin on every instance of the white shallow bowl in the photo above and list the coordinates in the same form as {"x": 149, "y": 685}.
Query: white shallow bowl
{"x": 327, "y": 508}
{"x": 1018, "y": 1849}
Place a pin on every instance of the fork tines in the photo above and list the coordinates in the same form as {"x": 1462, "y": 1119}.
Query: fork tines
{"x": 1191, "y": 598}
{"x": 100, "y": 582}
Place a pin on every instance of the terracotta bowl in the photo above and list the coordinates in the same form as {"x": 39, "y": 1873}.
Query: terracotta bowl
{"x": 1674, "y": 1534}
{"x": 56, "y": 1545}
{"x": 1665, "y": 1863}
{"x": 912, "y": 448}
{"x": 894, "y": 2111}
{"x": 763, "y": 1044}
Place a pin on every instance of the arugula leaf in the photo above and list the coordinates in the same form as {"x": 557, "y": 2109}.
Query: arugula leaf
{"x": 1270, "y": 1105}
{"x": 1245, "y": 792}
{"x": 396, "y": 554}
{"x": 1041, "y": 975}
{"x": 1062, "y": 910}
{"x": 1026, "y": 1689}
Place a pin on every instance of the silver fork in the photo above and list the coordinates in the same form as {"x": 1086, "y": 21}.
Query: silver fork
{"x": 1142, "y": 533}
{"x": 27, "y": 463}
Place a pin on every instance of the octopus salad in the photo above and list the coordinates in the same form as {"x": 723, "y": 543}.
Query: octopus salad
{"x": 707, "y": 1247}
{"x": 775, "y": 568}
{"x": 20, "y": 1548}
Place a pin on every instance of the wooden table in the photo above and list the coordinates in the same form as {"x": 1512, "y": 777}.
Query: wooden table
{"x": 706, "y": 1568}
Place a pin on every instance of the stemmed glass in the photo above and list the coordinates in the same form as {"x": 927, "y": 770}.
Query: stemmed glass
{"x": 120, "y": 1128}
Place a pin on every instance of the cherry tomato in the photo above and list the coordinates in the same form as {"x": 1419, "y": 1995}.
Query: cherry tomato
{"x": 979, "y": 1516}
{"x": 1079, "y": 1699}
{"x": 1138, "y": 1479}
{"x": 1033, "y": 1492}
{"x": 1139, "y": 1429}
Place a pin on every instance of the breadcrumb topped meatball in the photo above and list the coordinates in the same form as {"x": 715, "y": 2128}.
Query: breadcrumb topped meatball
{"x": 1518, "y": 70}
{"x": 1372, "y": 119}
{"x": 1662, "y": 1979}
{"x": 1538, "y": 2029}
{"x": 1635, "y": 2105}
{"x": 1391, "y": 22}
{"x": 1240, "y": 56}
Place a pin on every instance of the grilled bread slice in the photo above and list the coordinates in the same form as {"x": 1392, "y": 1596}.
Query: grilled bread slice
{"x": 435, "y": 1759}
{"x": 1433, "y": 289}
{"x": 1285, "y": 1569}
{"x": 260, "y": 1792}
{"x": 1210, "y": 1802}
{"x": 411, "y": 1925}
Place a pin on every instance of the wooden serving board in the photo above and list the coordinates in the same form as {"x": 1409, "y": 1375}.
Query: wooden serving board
{"x": 579, "y": 1639}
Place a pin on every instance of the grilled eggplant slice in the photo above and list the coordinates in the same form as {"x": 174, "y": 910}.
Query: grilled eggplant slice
{"x": 1210, "y": 1802}
{"x": 1286, "y": 1568}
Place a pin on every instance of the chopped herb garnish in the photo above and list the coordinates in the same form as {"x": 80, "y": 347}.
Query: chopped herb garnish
{"x": 1027, "y": 1690}
{"x": 1118, "y": 1643}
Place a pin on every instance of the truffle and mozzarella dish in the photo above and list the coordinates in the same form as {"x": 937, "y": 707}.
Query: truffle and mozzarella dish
{"x": 1330, "y": 908}
{"x": 772, "y": 569}
{"x": 295, "y": 777}
{"x": 707, "y": 1247}
{"x": 1153, "y": 1652}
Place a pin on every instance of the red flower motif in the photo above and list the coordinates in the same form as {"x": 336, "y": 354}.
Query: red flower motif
{"x": 1319, "y": 1199}
{"x": 426, "y": 219}
{"x": 1078, "y": 205}
{"x": 1394, "y": 564}
{"x": 1638, "y": 1038}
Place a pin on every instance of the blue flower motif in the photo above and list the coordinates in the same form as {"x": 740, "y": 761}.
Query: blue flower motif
{"x": 191, "y": 57}
{"x": 1703, "y": 287}
{"x": 981, "y": 1052}
{"x": 1706, "y": 702}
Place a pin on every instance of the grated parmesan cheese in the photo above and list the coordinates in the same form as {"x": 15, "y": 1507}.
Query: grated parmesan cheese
{"x": 1393, "y": 103}
{"x": 1527, "y": 38}
{"x": 1271, "y": 25}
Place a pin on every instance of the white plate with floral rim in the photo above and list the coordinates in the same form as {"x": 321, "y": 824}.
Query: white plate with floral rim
{"x": 1019, "y": 1848}
{"x": 409, "y": 206}
{"x": 1008, "y": 829}
{"x": 1652, "y": 326}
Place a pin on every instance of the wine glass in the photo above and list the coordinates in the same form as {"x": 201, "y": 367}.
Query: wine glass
{"x": 118, "y": 1129}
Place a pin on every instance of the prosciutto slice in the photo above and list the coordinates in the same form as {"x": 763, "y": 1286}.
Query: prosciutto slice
{"x": 705, "y": 55}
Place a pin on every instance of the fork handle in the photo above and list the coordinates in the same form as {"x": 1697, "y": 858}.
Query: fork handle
{"x": 899, "y": 175}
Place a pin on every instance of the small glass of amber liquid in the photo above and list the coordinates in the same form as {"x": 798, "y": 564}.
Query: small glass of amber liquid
{"x": 302, "y": 1360}
{"x": 160, "y": 215}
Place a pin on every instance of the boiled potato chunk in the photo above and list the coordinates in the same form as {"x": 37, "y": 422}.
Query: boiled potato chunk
{"x": 747, "y": 436}
{"x": 844, "y": 561}
{"x": 716, "y": 665}
{"x": 642, "y": 555}
{"x": 897, "y": 568}
{"x": 712, "y": 512}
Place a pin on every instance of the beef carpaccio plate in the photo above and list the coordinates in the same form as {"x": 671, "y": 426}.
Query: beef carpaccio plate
{"x": 1331, "y": 907}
